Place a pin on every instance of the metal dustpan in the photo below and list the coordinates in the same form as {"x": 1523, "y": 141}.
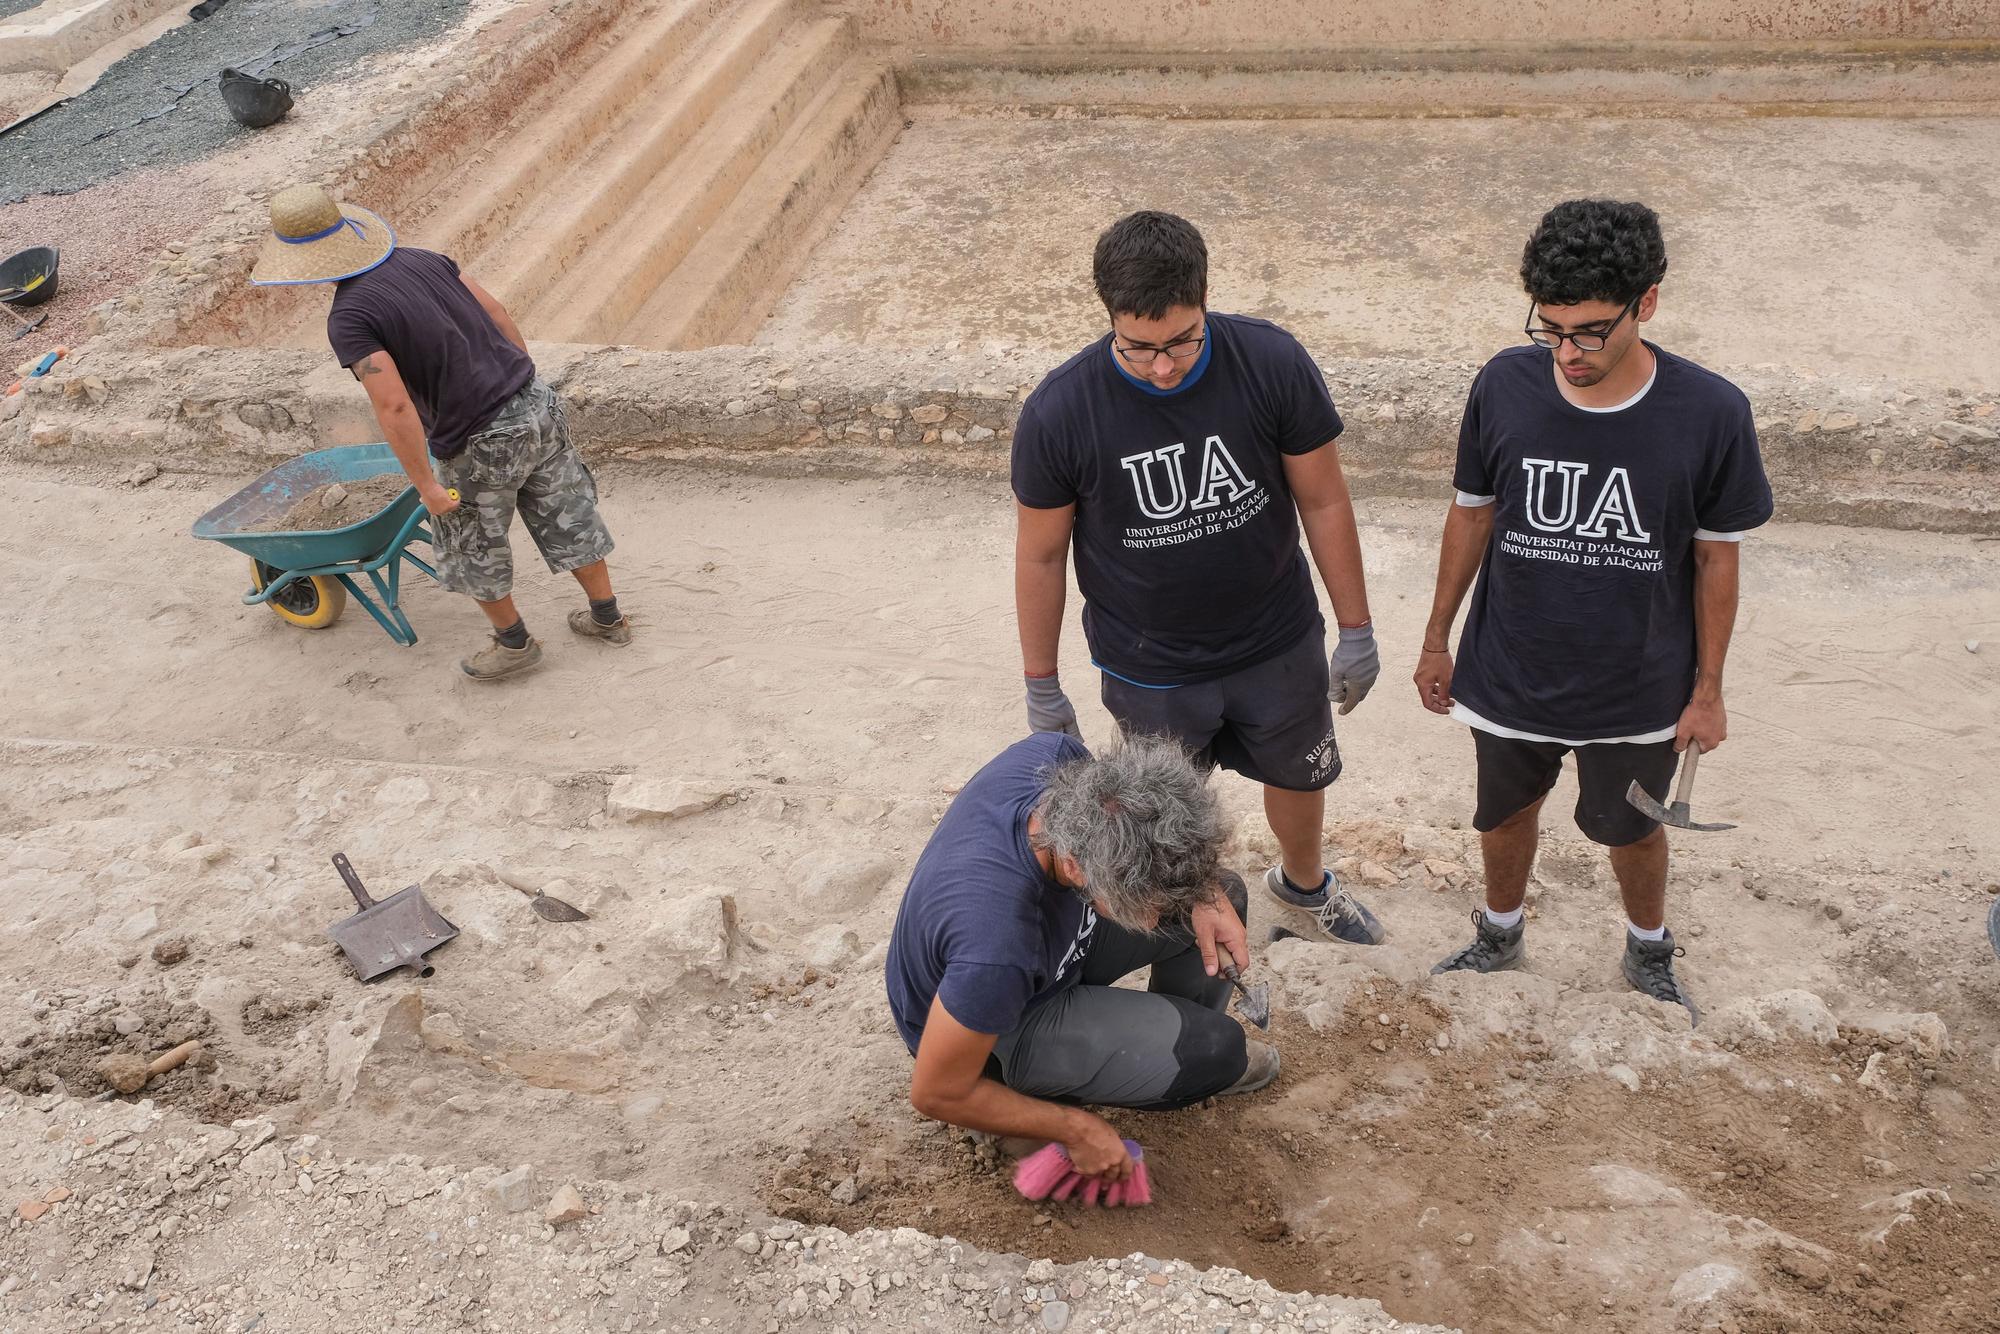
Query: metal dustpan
{"x": 394, "y": 933}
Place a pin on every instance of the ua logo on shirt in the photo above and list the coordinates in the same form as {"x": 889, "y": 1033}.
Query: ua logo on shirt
{"x": 1615, "y": 507}
{"x": 1080, "y": 946}
{"x": 1160, "y": 484}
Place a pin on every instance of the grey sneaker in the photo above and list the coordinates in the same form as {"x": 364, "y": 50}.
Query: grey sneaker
{"x": 1649, "y": 967}
{"x": 583, "y": 623}
{"x": 1493, "y": 949}
{"x": 497, "y": 660}
{"x": 1263, "y": 1068}
{"x": 1338, "y": 914}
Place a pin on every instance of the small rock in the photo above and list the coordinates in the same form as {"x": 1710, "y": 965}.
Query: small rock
{"x": 1964, "y": 433}
{"x": 515, "y": 1190}
{"x": 930, "y": 414}
{"x": 1378, "y": 1044}
{"x": 749, "y": 1243}
{"x": 140, "y": 924}
{"x": 127, "y": 1023}
{"x": 423, "y": 1086}
{"x": 1624, "y": 1074}
{"x": 333, "y": 497}
{"x": 170, "y": 951}
{"x": 30, "y": 1210}
{"x": 1055, "y": 1317}
{"x": 674, "y": 1240}
{"x": 736, "y": 407}
{"x": 846, "y": 1191}
{"x": 978, "y": 434}
{"x": 1442, "y": 1042}
{"x": 565, "y": 1206}
{"x": 142, "y": 474}
{"x": 1972, "y": 646}
{"x": 1559, "y": 1238}
{"x": 1465, "y": 1238}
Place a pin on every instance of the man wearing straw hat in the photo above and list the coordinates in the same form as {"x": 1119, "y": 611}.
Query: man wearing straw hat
{"x": 450, "y": 379}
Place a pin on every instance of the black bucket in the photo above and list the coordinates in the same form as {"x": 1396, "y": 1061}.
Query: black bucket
{"x": 253, "y": 101}
{"x": 25, "y": 268}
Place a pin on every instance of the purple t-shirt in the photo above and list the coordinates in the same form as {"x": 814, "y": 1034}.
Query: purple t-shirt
{"x": 459, "y": 368}
{"x": 982, "y": 925}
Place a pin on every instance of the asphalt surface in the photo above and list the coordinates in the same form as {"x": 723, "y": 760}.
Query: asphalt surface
{"x": 67, "y": 149}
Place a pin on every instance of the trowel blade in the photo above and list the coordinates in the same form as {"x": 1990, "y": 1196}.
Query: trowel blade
{"x": 1993, "y": 926}
{"x": 1254, "y": 1004}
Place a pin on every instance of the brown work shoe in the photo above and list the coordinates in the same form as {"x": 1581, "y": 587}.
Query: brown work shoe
{"x": 586, "y": 625}
{"x": 497, "y": 660}
{"x": 1261, "y": 1069}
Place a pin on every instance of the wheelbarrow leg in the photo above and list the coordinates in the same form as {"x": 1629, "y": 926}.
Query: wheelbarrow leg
{"x": 397, "y": 628}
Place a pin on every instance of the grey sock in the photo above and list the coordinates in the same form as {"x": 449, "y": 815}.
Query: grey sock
{"x": 514, "y": 636}
{"x": 605, "y": 612}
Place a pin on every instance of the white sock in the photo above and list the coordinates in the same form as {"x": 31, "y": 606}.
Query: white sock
{"x": 1507, "y": 920}
{"x": 1655, "y": 934}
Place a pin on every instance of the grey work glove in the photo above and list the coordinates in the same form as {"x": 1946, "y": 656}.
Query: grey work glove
{"x": 1355, "y": 666}
{"x": 1049, "y": 710}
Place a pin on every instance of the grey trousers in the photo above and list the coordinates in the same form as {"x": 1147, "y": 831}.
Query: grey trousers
{"x": 1168, "y": 1046}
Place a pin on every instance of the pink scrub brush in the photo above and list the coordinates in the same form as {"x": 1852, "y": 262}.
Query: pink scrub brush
{"x": 1047, "y": 1174}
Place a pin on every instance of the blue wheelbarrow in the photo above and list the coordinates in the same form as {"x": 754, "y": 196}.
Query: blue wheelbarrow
{"x": 305, "y": 577}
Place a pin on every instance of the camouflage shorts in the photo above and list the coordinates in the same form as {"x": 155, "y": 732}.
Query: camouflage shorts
{"x": 523, "y": 460}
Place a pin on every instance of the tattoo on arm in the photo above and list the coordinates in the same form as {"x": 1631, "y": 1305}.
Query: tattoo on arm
{"x": 364, "y": 368}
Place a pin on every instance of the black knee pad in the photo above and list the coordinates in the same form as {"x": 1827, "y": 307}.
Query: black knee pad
{"x": 1210, "y": 1054}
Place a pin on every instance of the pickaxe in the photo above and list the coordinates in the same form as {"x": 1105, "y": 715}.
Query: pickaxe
{"x": 1677, "y": 814}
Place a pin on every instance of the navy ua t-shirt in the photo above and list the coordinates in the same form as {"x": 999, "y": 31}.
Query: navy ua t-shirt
{"x": 981, "y": 925}
{"x": 1582, "y": 623}
{"x": 1187, "y": 541}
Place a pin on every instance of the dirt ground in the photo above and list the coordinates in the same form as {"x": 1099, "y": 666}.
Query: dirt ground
{"x": 737, "y": 797}
{"x": 1786, "y": 235}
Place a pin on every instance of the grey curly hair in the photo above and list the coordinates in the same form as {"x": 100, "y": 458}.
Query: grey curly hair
{"x": 1140, "y": 820}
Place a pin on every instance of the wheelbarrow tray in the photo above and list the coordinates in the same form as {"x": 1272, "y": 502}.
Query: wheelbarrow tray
{"x": 368, "y": 546}
{"x": 279, "y": 489}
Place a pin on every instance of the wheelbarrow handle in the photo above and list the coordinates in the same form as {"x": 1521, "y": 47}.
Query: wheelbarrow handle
{"x": 354, "y": 886}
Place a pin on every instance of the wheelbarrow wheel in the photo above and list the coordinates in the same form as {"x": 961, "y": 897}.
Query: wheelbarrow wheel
{"x": 312, "y": 603}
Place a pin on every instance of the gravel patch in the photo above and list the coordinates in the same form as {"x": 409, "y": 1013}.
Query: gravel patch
{"x": 108, "y": 234}
{"x": 60, "y": 153}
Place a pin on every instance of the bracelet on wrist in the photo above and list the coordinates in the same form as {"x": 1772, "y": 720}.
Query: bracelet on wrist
{"x": 1429, "y": 649}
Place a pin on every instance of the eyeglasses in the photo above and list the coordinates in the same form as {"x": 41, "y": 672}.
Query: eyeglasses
{"x": 1141, "y": 355}
{"x": 1585, "y": 342}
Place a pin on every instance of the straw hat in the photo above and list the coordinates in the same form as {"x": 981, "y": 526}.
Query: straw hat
{"x": 314, "y": 240}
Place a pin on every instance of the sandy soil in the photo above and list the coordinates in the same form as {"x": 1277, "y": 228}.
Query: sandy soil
{"x": 1402, "y": 237}
{"x": 737, "y": 797}
{"x": 335, "y": 505}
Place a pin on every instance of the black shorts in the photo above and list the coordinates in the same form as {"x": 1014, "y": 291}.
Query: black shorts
{"x": 1272, "y": 723}
{"x": 1515, "y": 774}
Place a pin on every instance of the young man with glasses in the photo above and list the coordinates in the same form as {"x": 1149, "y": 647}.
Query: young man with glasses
{"x": 1604, "y": 487}
{"x": 1183, "y": 452}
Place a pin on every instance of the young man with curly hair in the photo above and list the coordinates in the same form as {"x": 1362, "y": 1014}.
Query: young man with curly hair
{"x": 1182, "y": 453}
{"x": 1604, "y": 487}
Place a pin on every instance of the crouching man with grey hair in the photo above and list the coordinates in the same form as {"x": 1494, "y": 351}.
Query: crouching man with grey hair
{"x": 1053, "y": 874}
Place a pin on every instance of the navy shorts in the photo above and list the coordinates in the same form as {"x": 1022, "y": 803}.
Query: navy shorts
{"x": 1272, "y": 723}
{"x": 1515, "y": 774}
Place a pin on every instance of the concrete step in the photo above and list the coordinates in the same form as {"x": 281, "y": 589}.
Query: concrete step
{"x": 619, "y": 161}
{"x": 565, "y": 131}
{"x": 724, "y": 287}
{"x": 665, "y": 220}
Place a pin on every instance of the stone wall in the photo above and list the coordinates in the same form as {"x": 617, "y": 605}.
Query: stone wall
{"x": 1877, "y": 455}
